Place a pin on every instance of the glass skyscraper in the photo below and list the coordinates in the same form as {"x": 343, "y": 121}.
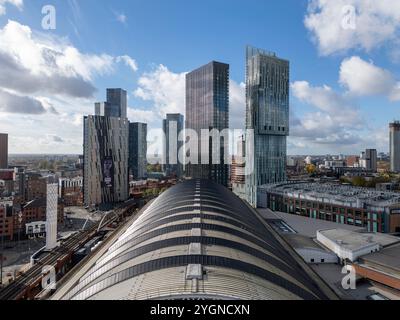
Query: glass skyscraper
{"x": 117, "y": 101}
{"x": 3, "y": 151}
{"x": 172, "y": 126}
{"x": 267, "y": 113}
{"x": 138, "y": 150}
{"x": 207, "y": 107}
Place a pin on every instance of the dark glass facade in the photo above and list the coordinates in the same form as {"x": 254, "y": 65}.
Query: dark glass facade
{"x": 173, "y": 125}
{"x": 138, "y": 150}
{"x": 207, "y": 107}
{"x": 3, "y": 151}
{"x": 117, "y": 103}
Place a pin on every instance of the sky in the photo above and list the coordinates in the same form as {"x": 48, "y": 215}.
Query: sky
{"x": 344, "y": 65}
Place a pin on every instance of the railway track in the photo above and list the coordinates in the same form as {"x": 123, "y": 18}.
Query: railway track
{"x": 20, "y": 287}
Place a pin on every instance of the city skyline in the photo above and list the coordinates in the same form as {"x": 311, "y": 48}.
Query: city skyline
{"x": 199, "y": 151}
{"x": 332, "y": 111}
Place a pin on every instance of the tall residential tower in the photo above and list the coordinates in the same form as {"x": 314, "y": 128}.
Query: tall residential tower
{"x": 395, "y": 146}
{"x": 267, "y": 113}
{"x": 3, "y": 151}
{"x": 138, "y": 150}
{"x": 105, "y": 148}
{"x": 207, "y": 108}
{"x": 172, "y": 126}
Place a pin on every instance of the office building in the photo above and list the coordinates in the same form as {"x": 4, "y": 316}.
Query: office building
{"x": 115, "y": 106}
{"x": 105, "y": 171}
{"x": 267, "y": 114}
{"x": 172, "y": 126}
{"x": 371, "y": 160}
{"x": 196, "y": 241}
{"x": 3, "y": 151}
{"x": 395, "y": 146}
{"x": 376, "y": 211}
{"x": 102, "y": 109}
{"x": 207, "y": 108}
{"x": 117, "y": 103}
{"x": 138, "y": 150}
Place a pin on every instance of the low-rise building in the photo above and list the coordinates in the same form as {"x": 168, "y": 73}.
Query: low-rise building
{"x": 35, "y": 210}
{"x": 71, "y": 191}
{"x": 349, "y": 245}
{"x": 382, "y": 266}
{"x": 377, "y": 211}
{"x": 6, "y": 219}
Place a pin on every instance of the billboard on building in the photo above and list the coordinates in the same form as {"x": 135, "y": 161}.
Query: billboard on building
{"x": 108, "y": 172}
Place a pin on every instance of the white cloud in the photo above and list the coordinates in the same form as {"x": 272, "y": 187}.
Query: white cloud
{"x": 131, "y": 63}
{"x": 327, "y": 100}
{"x": 46, "y": 86}
{"x": 364, "y": 78}
{"x": 32, "y": 64}
{"x": 164, "y": 88}
{"x": 237, "y": 105}
{"x": 336, "y": 123}
{"x": 377, "y": 22}
{"x": 121, "y": 17}
{"x": 138, "y": 115}
{"x": 18, "y": 3}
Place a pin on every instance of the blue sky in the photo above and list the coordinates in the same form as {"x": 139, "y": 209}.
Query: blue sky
{"x": 335, "y": 105}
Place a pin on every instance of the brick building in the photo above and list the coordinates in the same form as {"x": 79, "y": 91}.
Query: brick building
{"x": 376, "y": 211}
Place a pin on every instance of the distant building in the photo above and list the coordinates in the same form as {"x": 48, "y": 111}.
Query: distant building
{"x": 36, "y": 186}
{"x": 395, "y": 146}
{"x": 173, "y": 125}
{"x": 102, "y": 109}
{"x": 352, "y": 161}
{"x": 117, "y": 103}
{"x": 71, "y": 191}
{"x": 376, "y": 211}
{"x": 371, "y": 156}
{"x": 369, "y": 160}
{"x": 3, "y": 151}
{"x": 207, "y": 108}
{"x": 138, "y": 150}
{"x": 333, "y": 164}
{"x": 267, "y": 113}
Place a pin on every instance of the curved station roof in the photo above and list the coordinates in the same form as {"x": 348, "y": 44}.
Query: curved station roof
{"x": 197, "y": 241}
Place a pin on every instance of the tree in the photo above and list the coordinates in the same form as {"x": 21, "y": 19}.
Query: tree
{"x": 311, "y": 169}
